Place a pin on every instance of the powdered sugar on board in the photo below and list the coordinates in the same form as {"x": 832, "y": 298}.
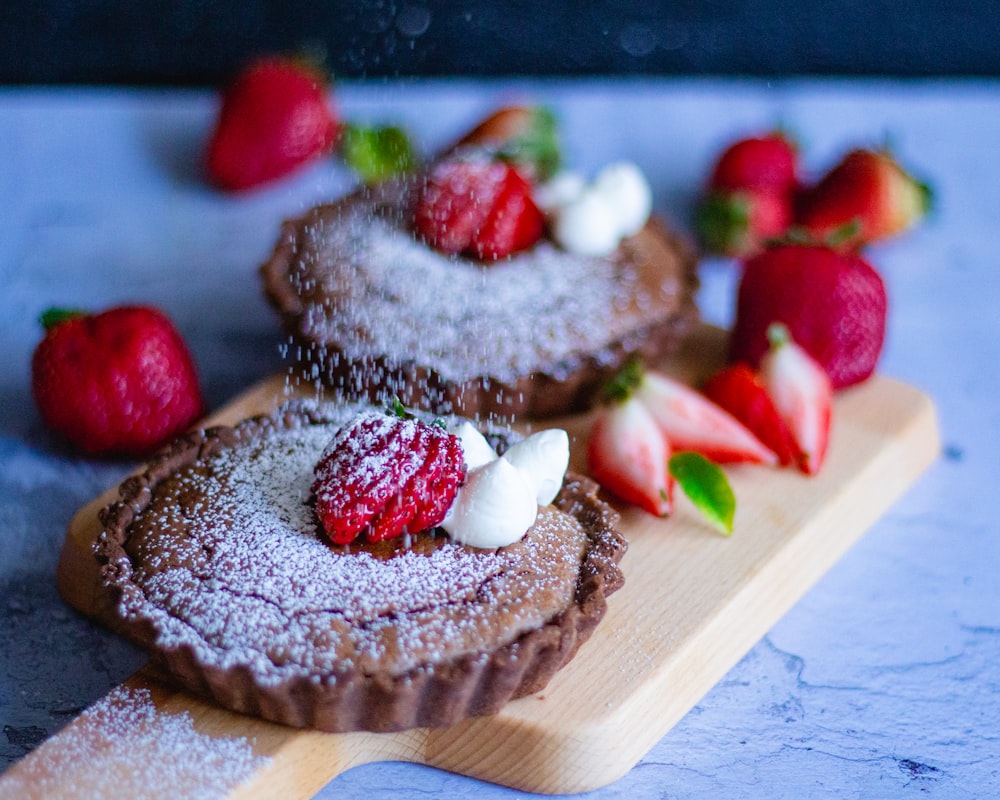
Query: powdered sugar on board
{"x": 121, "y": 730}
{"x": 226, "y": 560}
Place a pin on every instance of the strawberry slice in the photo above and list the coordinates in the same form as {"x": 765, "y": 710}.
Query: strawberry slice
{"x": 479, "y": 207}
{"x": 627, "y": 454}
{"x": 691, "y": 421}
{"x": 740, "y": 391}
{"x": 802, "y": 395}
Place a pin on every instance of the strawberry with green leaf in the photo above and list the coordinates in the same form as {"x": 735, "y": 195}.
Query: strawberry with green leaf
{"x": 872, "y": 191}
{"x": 632, "y": 454}
{"x": 121, "y": 382}
{"x": 750, "y": 195}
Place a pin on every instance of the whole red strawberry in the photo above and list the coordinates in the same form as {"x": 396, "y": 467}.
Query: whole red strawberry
{"x": 833, "y": 304}
{"x": 479, "y": 207}
{"x": 869, "y": 191}
{"x": 275, "y": 117}
{"x": 766, "y": 163}
{"x": 750, "y": 195}
{"x": 384, "y": 474}
{"x": 121, "y": 382}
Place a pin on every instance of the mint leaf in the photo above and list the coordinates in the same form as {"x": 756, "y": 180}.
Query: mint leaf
{"x": 376, "y": 153}
{"x": 707, "y": 487}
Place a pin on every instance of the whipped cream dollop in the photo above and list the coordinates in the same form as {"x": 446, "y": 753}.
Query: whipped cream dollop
{"x": 499, "y": 500}
{"x": 590, "y": 219}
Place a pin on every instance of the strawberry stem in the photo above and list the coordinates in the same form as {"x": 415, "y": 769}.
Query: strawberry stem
{"x": 778, "y": 335}
{"x": 397, "y": 409}
{"x": 626, "y": 381}
{"x": 51, "y": 317}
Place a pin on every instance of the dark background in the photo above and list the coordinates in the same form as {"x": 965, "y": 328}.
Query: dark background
{"x": 199, "y": 42}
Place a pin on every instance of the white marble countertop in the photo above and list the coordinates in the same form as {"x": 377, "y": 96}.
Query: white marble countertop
{"x": 882, "y": 682}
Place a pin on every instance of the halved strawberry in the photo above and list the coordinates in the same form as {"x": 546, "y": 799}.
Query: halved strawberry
{"x": 691, "y": 421}
{"x": 627, "y": 454}
{"x": 740, "y": 391}
{"x": 477, "y": 206}
{"x": 802, "y": 394}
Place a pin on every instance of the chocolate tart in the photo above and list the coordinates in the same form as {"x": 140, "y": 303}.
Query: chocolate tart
{"x": 216, "y": 565}
{"x": 374, "y": 312}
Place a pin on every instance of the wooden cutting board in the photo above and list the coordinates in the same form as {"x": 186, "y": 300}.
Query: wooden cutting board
{"x": 694, "y": 603}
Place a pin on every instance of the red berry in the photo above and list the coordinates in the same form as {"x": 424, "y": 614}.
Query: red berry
{"x": 383, "y": 475}
{"x": 833, "y": 304}
{"x": 766, "y": 164}
{"x": 750, "y": 196}
{"x": 478, "y": 207}
{"x": 741, "y": 392}
{"x": 868, "y": 190}
{"x": 120, "y": 382}
{"x": 275, "y": 117}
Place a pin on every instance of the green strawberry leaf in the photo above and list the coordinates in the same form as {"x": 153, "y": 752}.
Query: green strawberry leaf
{"x": 706, "y": 485}
{"x": 538, "y": 145}
{"x": 722, "y": 221}
{"x": 51, "y": 317}
{"x": 376, "y": 153}
{"x": 625, "y": 381}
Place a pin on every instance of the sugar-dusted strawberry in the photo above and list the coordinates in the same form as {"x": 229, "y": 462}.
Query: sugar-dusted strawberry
{"x": 477, "y": 206}
{"x": 767, "y": 163}
{"x": 121, "y": 382}
{"x": 275, "y": 117}
{"x": 750, "y": 195}
{"x": 802, "y": 394}
{"x": 628, "y": 455}
{"x": 383, "y": 474}
{"x": 833, "y": 303}
{"x": 869, "y": 191}
{"x": 738, "y": 389}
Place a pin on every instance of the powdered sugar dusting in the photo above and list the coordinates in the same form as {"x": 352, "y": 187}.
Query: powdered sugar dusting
{"x": 227, "y": 560}
{"x": 96, "y": 757}
{"x": 373, "y": 289}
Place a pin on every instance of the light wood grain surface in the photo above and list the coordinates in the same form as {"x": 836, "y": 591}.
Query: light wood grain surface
{"x": 694, "y": 602}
